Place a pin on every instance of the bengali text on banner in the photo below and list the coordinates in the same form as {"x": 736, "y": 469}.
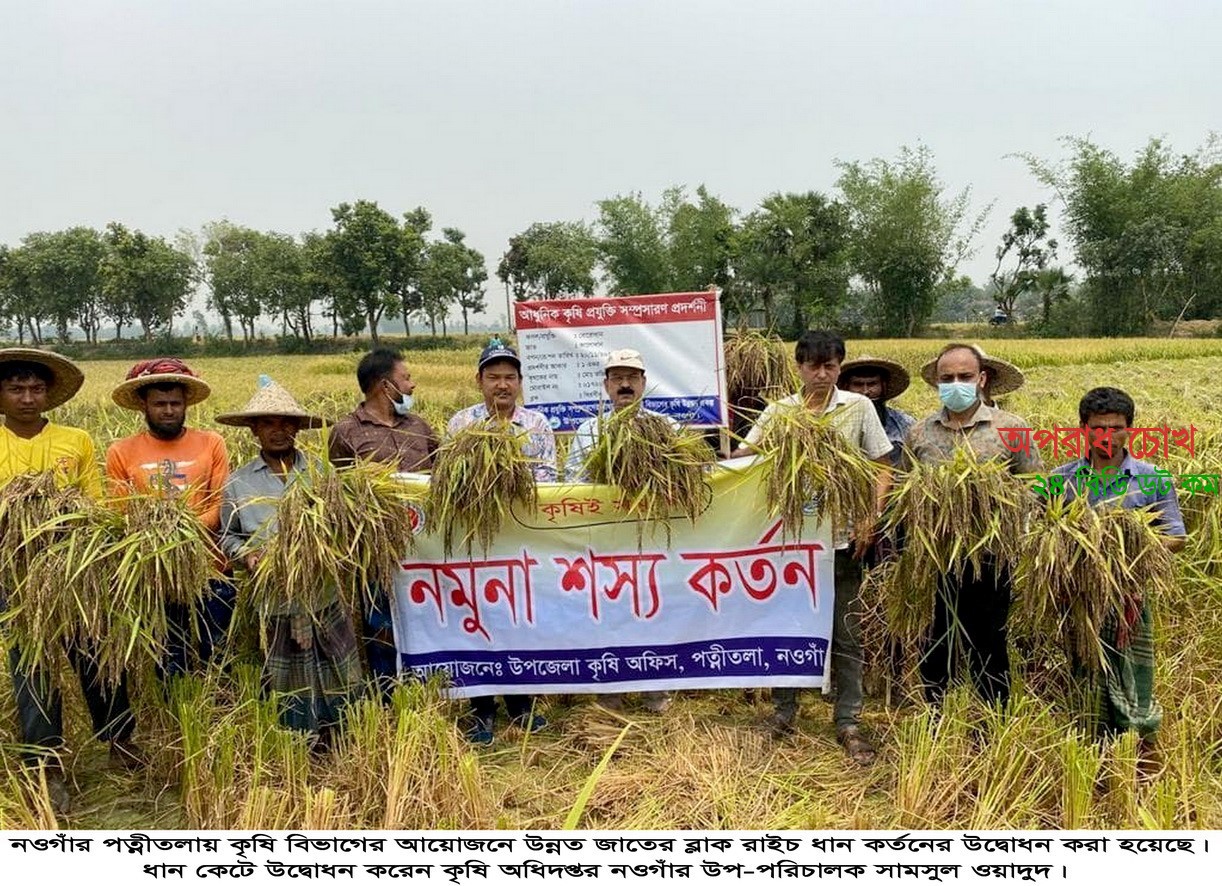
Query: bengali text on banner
{"x": 570, "y": 599}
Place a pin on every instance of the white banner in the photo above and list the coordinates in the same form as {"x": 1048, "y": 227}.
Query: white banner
{"x": 563, "y": 345}
{"x": 569, "y": 599}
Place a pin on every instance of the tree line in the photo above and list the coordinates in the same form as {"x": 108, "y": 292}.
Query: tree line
{"x": 879, "y": 255}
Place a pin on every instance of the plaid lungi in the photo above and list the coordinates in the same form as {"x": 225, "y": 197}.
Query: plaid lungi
{"x": 312, "y": 685}
{"x": 1125, "y": 689}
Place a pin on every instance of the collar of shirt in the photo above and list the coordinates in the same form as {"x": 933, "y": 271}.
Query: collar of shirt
{"x": 259, "y": 463}
{"x": 365, "y": 416}
{"x": 480, "y": 411}
{"x": 983, "y": 414}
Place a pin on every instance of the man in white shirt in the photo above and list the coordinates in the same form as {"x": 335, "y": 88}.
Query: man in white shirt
{"x": 819, "y": 355}
{"x": 624, "y": 382}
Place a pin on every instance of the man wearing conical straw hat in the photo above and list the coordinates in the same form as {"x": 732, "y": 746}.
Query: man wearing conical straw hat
{"x": 311, "y": 661}
{"x": 973, "y": 611}
{"x": 499, "y": 376}
{"x": 169, "y": 457}
{"x": 31, "y": 383}
{"x": 880, "y": 381}
{"x": 819, "y": 355}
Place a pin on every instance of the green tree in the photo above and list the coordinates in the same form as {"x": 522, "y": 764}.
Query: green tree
{"x": 143, "y": 279}
{"x": 367, "y": 256}
{"x": 550, "y": 260}
{"x": 231, "y": 263}
{"x": 406, "y": 285}
{"x": 452, "y": 274}
{"x": 794, "y": 248}
{"x": 632, "y": 242}
{"x": 1146, "y": 234}
{"x": 280, "y": 282}
{"x": 1024, "y": 252}
{"x": 906, "y": 237}
{"x": 63, "y": 271}
{"x": 701, "y": 242}
{"x": 16, "y": 297}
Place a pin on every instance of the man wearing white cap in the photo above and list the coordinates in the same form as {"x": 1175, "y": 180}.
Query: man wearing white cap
{"x": 624, "y": 382}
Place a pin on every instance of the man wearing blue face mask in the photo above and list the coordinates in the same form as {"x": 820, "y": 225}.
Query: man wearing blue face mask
{"x": 383, "y": 429}
{"x": 970, "y": 613}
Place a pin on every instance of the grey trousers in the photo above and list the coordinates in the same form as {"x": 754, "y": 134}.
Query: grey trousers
{"x": 846, "y": 648}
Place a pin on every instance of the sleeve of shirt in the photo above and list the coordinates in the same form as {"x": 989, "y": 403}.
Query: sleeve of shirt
{"x": 432, "y": 443}
{"x": 1170, "y": 520}
{"x": 89, "y": 478}
{"x": 232, "y": 537}
{"x": 339, "y": 450}
{"x": 1026, "y": 462}
{"x": 547, "y": 454}
{"x": 218, "y": 476}
{"x": 908, "y": 449}
{"x": 455, "y": 424}
{"x": 117, "y": 479}
{"x": 874, "y": 440}
{"x": 757, "y": 430}
{"x": 576, "y": 457}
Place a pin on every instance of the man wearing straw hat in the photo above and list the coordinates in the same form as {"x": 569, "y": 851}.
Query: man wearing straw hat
{"x": 311, "y": 661}
{"x": 499, "y": 376}
{"x": 32, "y": 382}
{"x": 819, "y": 355}
{"x": 383, "y": 428}
{"x": 880, "y": 381}
{"x": 973, "y": 610}
{"x": 169, "y": 457}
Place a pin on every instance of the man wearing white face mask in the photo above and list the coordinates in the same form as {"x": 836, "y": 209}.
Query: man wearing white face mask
{"x": 383, "y": 429}
{"x": 971, "y": 613}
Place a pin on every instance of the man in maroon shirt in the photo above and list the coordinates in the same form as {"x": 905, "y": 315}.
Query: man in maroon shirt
{"x": 383, "y": 429}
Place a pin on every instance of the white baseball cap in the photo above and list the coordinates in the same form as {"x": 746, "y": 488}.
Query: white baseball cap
{"x": 626, "y": 358}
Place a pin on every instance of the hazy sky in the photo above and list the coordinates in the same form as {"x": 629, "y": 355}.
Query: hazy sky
{"x": 494, "y": 115}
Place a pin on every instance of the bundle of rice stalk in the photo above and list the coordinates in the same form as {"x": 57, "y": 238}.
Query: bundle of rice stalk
{"x": 1083, "y": 567}
{"x": 479, "y": 474}
{"x": 27, "y": 503}
{"x": 658, "y": 467}
{"x": 342, "y": 530}
{"x": 103, "y": 583}
{"x": 949, "y": 515}
{"x": 757, "y": 366}
{"x": 810, "y": 462}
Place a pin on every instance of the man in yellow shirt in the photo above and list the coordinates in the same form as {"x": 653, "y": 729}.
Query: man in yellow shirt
{"x": 170, "y": 457}
{"x": 32, "y": 382}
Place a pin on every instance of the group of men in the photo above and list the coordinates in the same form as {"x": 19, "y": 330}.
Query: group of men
{"x": 313, "y": 657}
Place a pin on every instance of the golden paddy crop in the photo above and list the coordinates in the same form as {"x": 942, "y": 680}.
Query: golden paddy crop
{"x": 219, "y": 759}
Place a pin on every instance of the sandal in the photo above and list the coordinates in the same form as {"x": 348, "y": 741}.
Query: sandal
{"x": 856, "y": 745}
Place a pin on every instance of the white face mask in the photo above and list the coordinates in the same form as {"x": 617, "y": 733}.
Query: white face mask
{"x": 403, "y": 405}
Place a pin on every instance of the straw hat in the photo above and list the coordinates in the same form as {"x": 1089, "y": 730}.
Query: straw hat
{"x": 897, "y": 378}
{"x": 157, "y": 371}
{"x": 1004, "y": 377}
{"x": 269, "y": 400}
{"x": 66, "y": 376}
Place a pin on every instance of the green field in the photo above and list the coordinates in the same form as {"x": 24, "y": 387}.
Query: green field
{"x": 220, "y": 761}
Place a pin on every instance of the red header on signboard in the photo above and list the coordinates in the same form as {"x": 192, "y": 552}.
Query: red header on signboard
{"x": 674, "y": 307}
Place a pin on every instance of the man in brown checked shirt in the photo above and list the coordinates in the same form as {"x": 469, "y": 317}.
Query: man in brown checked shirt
{"x": 383, "y": 429}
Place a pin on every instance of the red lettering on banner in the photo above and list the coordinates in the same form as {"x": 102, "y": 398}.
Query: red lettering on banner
{"x": 581, "y": 573}
{"x": 509, "y": 581}
{"x": 674, "y": 307}
{"x": 759, "y": 579}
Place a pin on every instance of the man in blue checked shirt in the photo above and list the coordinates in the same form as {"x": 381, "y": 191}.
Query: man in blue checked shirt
{"x": 1127, "y": 691}
{"x": 499, "y": 376}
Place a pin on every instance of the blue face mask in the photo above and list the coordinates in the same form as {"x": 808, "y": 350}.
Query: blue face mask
{"x": 402, "y": 406}
{"x": 957, "y": 396}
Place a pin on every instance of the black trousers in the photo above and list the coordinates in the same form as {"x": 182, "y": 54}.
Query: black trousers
{"x": 969, "y": 622}
{"x": 40, "y": 710}
{"x": 484, "y": 706}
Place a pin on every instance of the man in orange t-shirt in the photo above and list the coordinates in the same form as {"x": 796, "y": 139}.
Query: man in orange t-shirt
{"x": 184, "y": 461}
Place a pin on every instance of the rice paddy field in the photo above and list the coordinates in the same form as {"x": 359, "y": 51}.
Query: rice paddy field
{"x": 218, "y": 759}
